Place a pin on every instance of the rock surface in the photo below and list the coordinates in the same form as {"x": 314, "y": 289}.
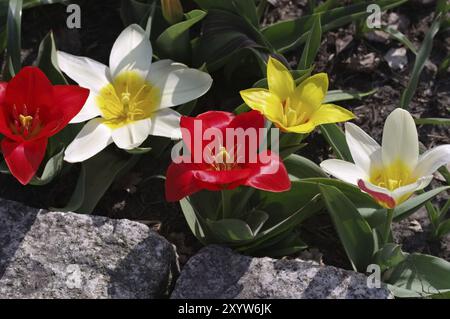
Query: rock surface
{"x": 66, "y": 255}
{"x": 217, "y": 272}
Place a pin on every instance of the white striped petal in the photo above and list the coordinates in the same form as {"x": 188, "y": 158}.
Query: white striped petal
{"x": 345, "y": 171}
{"x": 431, "y": 160}
{"x": 400, "y": 140}
{"x": 131, "y": 51}
{"x": 166, "y": 123}
{"x": 131, "y": 135}
{"x": 366, "y": 152}
{"x": 421, "y": 183}
{"x": 86, "y": 72}
{"x": 89, "y": 110}
{"x": 178, "y": 83}
{"x": 92, "y": 139}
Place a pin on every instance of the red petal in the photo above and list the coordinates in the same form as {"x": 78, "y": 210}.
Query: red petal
{"x": 23, "y": 159}
{"x": 180, "y": 181}
{"x": 382, "y": 198}
{"x": 247, "y": 120}
{"x": 4, "y": 125}
{"x": 216, "y": 180}
{"x": 269, "y": 176}
{"x": 32, "y": 88}
{"x": 69, "y": 100}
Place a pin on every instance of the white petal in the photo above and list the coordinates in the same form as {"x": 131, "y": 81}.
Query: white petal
{"x": 345, "y": 171}
{"x": 421, "y": 183}
{"x": 378, "y": 193}
{"x": 366, "y": 152}
{"x": 131, "y": 135}
{"x": 131, "y": 51}
{"x": 431, "y": 160}
{"x": 178, "y": 83}
{"x": 92, "y": 139}
{"x": 86, "y": 72}
{"x": 400, "y": 140}
{"x": 89, "y": 110}
{"x": 166, "y": 123}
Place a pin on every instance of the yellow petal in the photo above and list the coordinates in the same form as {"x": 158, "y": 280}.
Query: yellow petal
{"x": 280, "y": 79}
{"x": 266, "y": 102}
{"x": 330, "y": 113}
{"x": 305, "y": 128}
{"x": 312, "y": 91}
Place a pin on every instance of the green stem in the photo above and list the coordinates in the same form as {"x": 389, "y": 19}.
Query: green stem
{"x": 387, "y": 226}
{"x": 226, "y": 204}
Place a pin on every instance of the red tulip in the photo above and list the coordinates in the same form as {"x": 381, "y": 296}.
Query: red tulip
{"x": 223, "y": 168}
{"x": 31, "y": 111}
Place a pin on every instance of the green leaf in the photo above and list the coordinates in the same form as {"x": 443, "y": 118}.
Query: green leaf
{"x": 193, "y": 219}
{"x": 336, "y": 138}
{"x": 139, "y": 150}
{"x": 443, "y": 228}
{"x": 407, "y": 208}
{"x": 174, "y": 42}
{"x": 354, "y": 232}
{"x": 51, "y": 170}
{"x": 96, "y": 176}
{"x": 245, "y": 8}
{"x": 256, "y": 220}
{"x": 312, "y": 44}
{"x": 394, "y": 33}
{"x": 421, "y": 59}
{"x": 290, "y": 34}
{"x": 46, "y": 60}
{"x": 14, "y": 36}
{"x": 432, "y": 121}
{"x": 231, "y": 230}
{"x": 389, "y": 256}
{"x": 300, "y": 167}
{"x": 340, "y": 95}
{"x": 423, "y": 274}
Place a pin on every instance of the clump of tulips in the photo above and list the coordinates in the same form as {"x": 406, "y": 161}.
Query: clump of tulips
{"x": 236, "y": 174}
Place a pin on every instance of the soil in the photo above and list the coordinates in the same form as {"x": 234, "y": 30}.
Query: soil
{"x": 352, "y": 63}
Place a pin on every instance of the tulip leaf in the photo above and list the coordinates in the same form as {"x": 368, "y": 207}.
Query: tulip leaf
{"x": 174, "y": 42}
{"x": 354, "y": 232}
{"x": 336, "y": 138}
{"x": 394, "y": 33}
{"x": 422, "y": 274}
{"x": 14, "y": 36}
{"x": 139, "y": 150}
{"x": 194, "y": 220}
{"x": 432, "y": 121}
{"x": 419, "y": 64}
{"x": 389, "y": 256}
{"x": 300, "y": 167}
{"x": 410, "y": 206}
{"x": 340, "y": 95}
{"x": 289, "y": 34}
{"x": 245, "y": 8}
{"x": 443, "y": 228}
{"x": 51, "y": 169}
{"x": 46, "y": 60}
{"x": 96, "y": 176}
{"x": 231, "y": 231}
{"x": 312, "y": 44}
{"x": 256, "y": 220}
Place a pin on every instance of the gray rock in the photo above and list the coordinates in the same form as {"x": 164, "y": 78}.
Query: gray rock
{"x": 217, "y": 272}
{"x": 66, "y": 255}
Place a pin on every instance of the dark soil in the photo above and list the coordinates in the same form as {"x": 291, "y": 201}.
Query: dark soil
{"x": 352, "y": 63}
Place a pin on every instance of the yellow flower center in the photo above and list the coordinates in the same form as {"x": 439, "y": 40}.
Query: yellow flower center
{"x": 26, "y": 121}
{"x": 295, "y": 112}
{"x": 394, "y": 176}
{"x": 129, "y": 98}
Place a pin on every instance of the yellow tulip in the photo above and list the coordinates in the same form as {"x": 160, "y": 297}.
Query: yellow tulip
{"x": 296, "y": 109}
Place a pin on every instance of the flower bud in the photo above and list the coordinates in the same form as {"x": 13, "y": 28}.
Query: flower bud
{"x": 172, "y": 11}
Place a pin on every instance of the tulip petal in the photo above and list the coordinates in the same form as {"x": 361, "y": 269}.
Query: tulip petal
{"x": 366, "y": 152}
{"x": 305, "y": 128}
{"x": 431, "y": 160}
{"x": 92, "y": 139}
{"x": 23, "y": 158}
{"x": 345, "y": 171}
{"x": 216, "y": 180}
{"x": 177, "y": 83}
{"x": 279, "y": 79}
{"x": 330, "y": 113}
{"x": 86, "y": 72}
{"x": 400, "y": 140}
{"x": 131, "y": 135}
{"x": 180, "y": 181}
{"x": 312, "y": 91}
{"x": 266, "y": 102}
{"x": 165, "y": 123}
{"x": 401, "y": 194}
{"x": 69, "y": 100}
{"x": 382, "y": 195}
{"x": 131, "y": 51}
{"x": 89, "y": 110}
{"x": 270, "y": 174}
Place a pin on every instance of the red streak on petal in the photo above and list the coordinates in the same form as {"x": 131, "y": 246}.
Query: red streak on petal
{"x": 381, "y": 197}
